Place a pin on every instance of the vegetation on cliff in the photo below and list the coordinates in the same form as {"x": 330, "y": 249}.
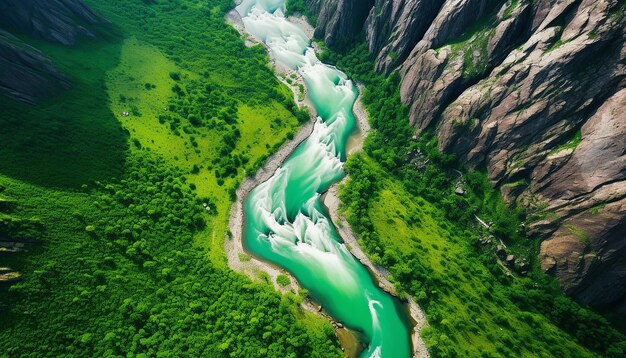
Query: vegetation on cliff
{"x": 502, "y": 84}
{"x": 299, "y": 7}
{"x": 430, "y": 241}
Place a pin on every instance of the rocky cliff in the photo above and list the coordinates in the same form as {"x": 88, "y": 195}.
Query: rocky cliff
{"x": 534, "y": 91}
{"x": 339, "y": 21}
{"x": 26, "y": 74}
{"x": 62, "y": 21}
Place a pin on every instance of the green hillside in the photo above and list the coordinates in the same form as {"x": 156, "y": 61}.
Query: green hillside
{"x": 128, "y": 261}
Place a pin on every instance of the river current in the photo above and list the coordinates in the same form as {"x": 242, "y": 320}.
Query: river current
{"x": 285, "y": 221}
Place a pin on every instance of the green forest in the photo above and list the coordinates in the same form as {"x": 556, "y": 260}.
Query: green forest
{"x": 431, "y": 241}
{"x": 128, "y": 258}
{"x": 170, "y": 110}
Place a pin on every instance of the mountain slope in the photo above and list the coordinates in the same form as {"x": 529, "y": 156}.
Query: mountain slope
{"x": 532, "y": 92}
{"x": 124, "y": 182}
{"x": 62, "y": 21}
{"x": 26, "y": 74}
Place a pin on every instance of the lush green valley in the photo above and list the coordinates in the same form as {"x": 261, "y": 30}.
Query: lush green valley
{"x": 121, "y": 190}
{"x": 129, "y": 210}
{"x": 430, "y": 241}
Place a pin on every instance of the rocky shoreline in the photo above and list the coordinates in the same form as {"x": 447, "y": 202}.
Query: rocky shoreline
{"x": 240, "y": 261}
{"x": 332, "y": 203}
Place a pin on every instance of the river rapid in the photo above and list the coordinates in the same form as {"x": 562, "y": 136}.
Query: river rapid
{"x": 285, "y": 222}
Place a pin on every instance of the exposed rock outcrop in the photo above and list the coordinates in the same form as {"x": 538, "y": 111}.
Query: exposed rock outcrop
{"x": 569, "y": 75}
{"x": 395, "y": 27}
{"x": 534, "y": 92}
{"x": 26, "y": 74}
{"x": 62, "y": 21}
{"x": 14, "y": 245}
{"x": 339, "y": 21}
{"x": 8, "y": 276}
{"x": 443, "y": 64}
{"x": 587, "y": 187}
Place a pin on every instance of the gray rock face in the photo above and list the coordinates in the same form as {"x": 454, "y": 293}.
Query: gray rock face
{"x": 395, "y": 27}
{"x": 508, "y": 86}
{"x": 537, "y": 97}
{"x": 26, "y": 74}
{"x": 441, "y": 66}
{"x": 339, "y": 21}
{"x": 567, "y": 75}
{"x": 587, "y": 187}
{"x": 62, "y": 21}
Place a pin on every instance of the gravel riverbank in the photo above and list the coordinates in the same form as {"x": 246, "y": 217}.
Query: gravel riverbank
{"x": 242, "y": 262}
{"x": 332, "y": 202}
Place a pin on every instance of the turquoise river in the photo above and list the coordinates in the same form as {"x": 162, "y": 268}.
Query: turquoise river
{"x": 286, "y": 223}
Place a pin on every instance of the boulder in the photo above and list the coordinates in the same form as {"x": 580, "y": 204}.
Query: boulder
{"x": 8, "y": 276}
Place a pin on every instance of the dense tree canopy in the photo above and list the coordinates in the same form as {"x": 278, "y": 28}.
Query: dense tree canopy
{"x": 130, "y": 213}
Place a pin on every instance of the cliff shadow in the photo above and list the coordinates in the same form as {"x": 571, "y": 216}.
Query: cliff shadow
{"x": 73, "y": 137}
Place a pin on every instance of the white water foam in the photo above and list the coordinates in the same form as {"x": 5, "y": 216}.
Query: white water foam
{"x": 307, "y": 235}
